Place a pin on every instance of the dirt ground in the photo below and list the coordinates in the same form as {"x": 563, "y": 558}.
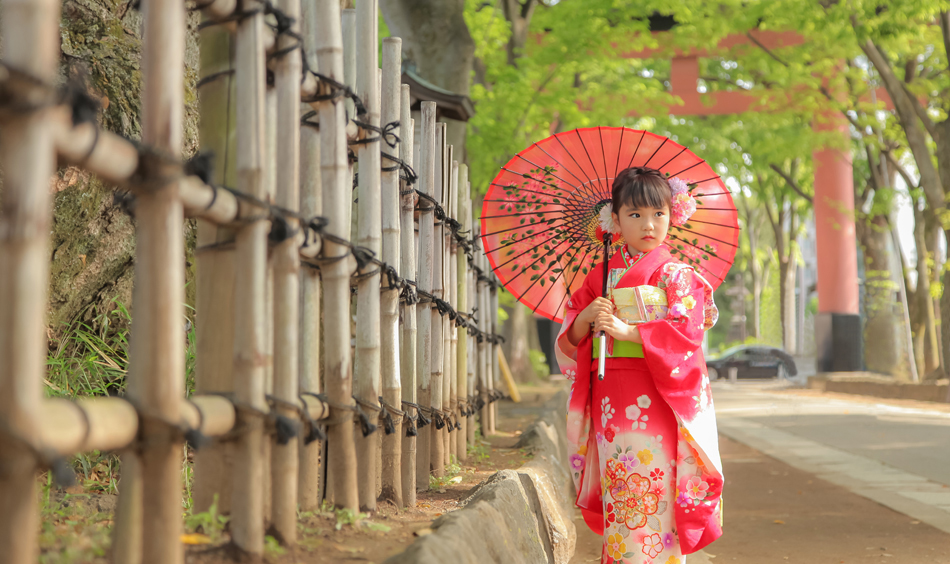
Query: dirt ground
{"x": 76, "y": 525}
{"x": 777, "y": 514}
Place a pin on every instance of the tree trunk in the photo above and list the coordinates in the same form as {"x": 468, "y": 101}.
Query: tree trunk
{"x": 519, "y": 357}
{"x": 436, "y": 40}
{"x": 883, "y": 331}
{"x": 92, "y": 243}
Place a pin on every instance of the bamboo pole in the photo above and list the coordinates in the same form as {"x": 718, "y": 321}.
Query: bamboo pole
{"x": 450, "y": 291}
{"x": 483, "y": 379}
{"x": 367, "y": 362}
{"x": 270, "y": 188}
{"x": 30, "y": 36}
{"x": 247, "y": 518}
{"x": 424, "y": 281}
{"x": 471, "y": 386}
{"x": 461, "y": 336}
{"x": 389, "y": 338}
{"x": 311, "y": 205}
{"x": 348, "y": 20}
{"x": 493, "y": 369}
{"x": 437, "y": 443}
{"x": 409, "y": 333}
{"x": 157, "y": 373}
{"x": 337, "y": 195}
{"x": 286, "y": 273}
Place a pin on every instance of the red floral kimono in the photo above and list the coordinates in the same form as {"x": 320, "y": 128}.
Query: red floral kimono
{"x": 644, "y": 444}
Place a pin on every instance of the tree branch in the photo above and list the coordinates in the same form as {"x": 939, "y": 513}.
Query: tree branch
{"x": 945, "y": 29}
{"x": 907, "y": 114}
{"x": 764, "y": 48}
{"x": 791, "y": 182}
{"x": 901, "y": 170}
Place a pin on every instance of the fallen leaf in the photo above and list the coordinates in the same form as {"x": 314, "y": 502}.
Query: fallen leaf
{"x": 195, "y": 538}
{"x": 456, "y": 480}
{"x": 779, "y": 522}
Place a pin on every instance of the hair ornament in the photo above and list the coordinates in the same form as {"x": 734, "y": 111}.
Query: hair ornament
{"x": 607, "y": 219}
{"x": 683, "y": 204}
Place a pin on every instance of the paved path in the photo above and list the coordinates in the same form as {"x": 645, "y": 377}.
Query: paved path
{"x": 896, "y": 455}
{"x": 826, "y": 478}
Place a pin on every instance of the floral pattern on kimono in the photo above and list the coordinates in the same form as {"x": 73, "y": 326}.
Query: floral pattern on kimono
{"x": 645, "y": 454}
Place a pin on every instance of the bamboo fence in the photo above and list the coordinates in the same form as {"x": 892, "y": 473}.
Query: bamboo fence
{"x": 295, "y": 403}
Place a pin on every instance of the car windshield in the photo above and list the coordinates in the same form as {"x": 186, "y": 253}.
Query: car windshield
{"x": 728, "y": 352}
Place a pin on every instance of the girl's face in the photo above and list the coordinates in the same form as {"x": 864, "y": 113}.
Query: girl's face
{"x": 643, "y": 228}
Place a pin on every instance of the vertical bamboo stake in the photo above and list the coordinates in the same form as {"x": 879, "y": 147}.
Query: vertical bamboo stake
{"x": 461, "y": 336}
{"x": 349, "y": 73}
{"x": 437, "y": 444}
{"x": 337, "y": 195}
{"x": 453, "y": 330}
{"x": 389, "y": 339}
{"x": 214, "y": 296}
{"x": 493, "y": 346}
{"x": 448, "y": 359}
{"x": 247, "y": 517}
{"x": 158, "y": 371}
{"x": 284, "y": 458}
{"x": 311, "y": 204}
{"x": 424, "y": 281}
{"x": 472, "y": 340}
{"x": 30, "y": 35}
{"x": 408, "y": 335}
{"x": 270, "y": 188}
{"x": 370, "y": 213}
{"x": 483, "y": 321}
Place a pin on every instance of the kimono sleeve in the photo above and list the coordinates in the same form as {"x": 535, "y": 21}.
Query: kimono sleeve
{"x": 565, "y": 351}
{"x": 669, "y": 343}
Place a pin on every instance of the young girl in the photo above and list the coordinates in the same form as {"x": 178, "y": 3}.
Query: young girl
{"x": 645, "y": 452}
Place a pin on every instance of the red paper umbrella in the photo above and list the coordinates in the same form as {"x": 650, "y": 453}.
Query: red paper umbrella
{"x": 540, "y": 223}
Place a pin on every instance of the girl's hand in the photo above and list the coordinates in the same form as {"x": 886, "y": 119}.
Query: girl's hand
{"x": 610, "y": 324}
{"x": 597, "y": 307}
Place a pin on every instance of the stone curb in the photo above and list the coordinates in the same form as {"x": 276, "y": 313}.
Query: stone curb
{"x": 515, "y": 516}
{"x": 867, "y": 384}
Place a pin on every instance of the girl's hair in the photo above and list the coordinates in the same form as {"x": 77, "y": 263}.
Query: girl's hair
{"x": 640, "y": 187}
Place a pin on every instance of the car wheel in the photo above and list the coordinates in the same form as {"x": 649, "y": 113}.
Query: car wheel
{"x": 782, "y": 373}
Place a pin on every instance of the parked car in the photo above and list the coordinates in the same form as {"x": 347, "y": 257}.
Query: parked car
{"x": 752, "y": 362}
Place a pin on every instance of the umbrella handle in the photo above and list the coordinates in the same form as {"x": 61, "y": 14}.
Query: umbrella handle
{"x": 601, "y": 368}
{"x": 603, "y": 356}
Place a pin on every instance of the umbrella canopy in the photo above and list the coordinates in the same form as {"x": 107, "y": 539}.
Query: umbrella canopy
{"x": 540, "y": 218}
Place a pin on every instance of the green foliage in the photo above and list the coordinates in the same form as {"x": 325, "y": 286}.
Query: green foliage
{"x": 771, "y": 314}
{"x": 539, "y": 364}
{"x": 272, "y": 547}
{"x": 451, "y": 476}
{"x": 345, "y": 516}
{"x": 208, "y": 522}
{"x": 92, "y": 359}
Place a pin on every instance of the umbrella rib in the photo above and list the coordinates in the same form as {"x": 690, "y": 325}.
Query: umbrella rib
{"x": 571, "y": 223}
{"x": 717, "y": 177}
{"x": 591, "y": 160}
{"x": 535, "y": 281}
{"x": 665, "y": 139}
{"x": 583, "y": 183}
{"x": 711, "y": 223}
{"x": 701, "y": 250}
{"x": 707, "y": 236}
{"x": 578, "y": 190}
{"x": 522, "y": 175}
{"x": 590, "y": 185}
{"x": 672, "y": 158}
{"x": 689, "y": 168}
{"x": 643, "y": 134}
{"x": 619, "y": 148}
{"x": 700, "y": 265}
{"x": 545, "y": 296}
{"x": 603, "y": 155}
{"x": 569, "y": 195}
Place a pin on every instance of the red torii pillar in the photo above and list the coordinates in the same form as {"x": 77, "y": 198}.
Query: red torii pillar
{"x": 839, "y": 339}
